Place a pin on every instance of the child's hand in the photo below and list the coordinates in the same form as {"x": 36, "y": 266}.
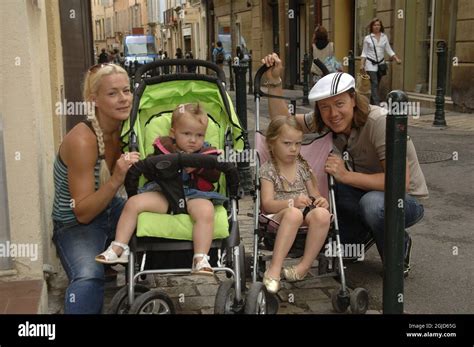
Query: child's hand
{"x": 302, "y": 201}
{"x": 321, "y": 202}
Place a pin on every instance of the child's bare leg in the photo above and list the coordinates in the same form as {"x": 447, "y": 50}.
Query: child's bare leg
{"x": 291, "y": 220}
{"x": 202, "y": 213}
{"x": 318, "y": 226}
{"x": 145, "y": 202}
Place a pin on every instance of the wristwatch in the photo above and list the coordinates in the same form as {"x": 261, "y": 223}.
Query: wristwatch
{"x": 272, "y": 84}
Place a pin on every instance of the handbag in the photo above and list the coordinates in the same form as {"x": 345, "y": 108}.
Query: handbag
{"x": 382, "y": 66}
{"x": 363, "y": 84}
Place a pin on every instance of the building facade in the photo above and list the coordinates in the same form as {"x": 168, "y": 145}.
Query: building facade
{"x": 414, "y": 29}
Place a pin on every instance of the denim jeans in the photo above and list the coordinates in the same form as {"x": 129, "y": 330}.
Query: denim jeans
{"x": 361, "y": 215}
{"x": 77, "y": 245}
{"x": 374, "y": 87}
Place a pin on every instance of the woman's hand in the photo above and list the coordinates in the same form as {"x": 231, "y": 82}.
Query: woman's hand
{"x": 335, "y": 167}
{"x": 321, "y": 202}
{"x": 124, "y": 163}
{"x": 275, "y": 65}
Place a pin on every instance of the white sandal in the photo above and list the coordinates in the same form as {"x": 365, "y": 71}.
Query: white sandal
{"x": 201, "y": 267}
{"x": 110, "y": 257}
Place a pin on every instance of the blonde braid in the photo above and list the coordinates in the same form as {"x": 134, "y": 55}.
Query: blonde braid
{"x": 104, "y": 173}
{"x": 284, "y": 184}
{"x": 310, "y": 170}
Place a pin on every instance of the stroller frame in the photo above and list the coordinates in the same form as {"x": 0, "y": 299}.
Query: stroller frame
{"x": 341, "y": 298}
{"x": 127, "y": 299}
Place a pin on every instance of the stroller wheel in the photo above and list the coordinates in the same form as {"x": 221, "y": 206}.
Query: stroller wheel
{"x": 153, "y": 302}
{"x": 256, "y": 299}
{"x": 323, "y": 264}
{"x": 243, "y": 264}
{"x": 340, "y": 301}
{"x": 272, "y": 303}
{"x": 243, "y": 267}
{"x": 119, "y": 303}
{"x": 225, "y": 298}
{"x": 359, "y": 301}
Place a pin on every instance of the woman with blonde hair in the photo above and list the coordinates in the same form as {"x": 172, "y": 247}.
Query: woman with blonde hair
{"x": 89, "y": 171}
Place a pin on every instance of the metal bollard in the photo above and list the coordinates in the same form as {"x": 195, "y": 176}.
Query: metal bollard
{"x": 441, "y": 50}
{"x": 231, "y": 78}
{"x": 351, "y": 68}
{"x": 396, "y": 153}
{"x": 240, "y": 70}
{"x": 250, "y": 75}
{"x": 305, "y": 79}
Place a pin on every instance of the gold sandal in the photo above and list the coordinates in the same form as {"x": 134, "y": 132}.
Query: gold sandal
{"x": 292, "y": 275}
{"x": 272, "y": 284}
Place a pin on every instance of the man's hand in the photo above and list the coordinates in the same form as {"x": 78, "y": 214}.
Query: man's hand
{"x": 335, "y": 167}
{"x": 274, "y": 63}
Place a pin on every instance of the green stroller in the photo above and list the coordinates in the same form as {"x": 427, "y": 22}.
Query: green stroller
{"x": 166, "y": 239}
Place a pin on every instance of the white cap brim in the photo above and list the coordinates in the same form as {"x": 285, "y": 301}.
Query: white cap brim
{"x": 330, "y": 85}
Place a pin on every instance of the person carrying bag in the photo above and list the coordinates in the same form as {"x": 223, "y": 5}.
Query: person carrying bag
{"x": 376, "y": 45}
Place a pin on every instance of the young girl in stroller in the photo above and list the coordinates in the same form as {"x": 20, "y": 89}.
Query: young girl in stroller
{"x": 188, "y": 129}
{"x": 291, "y": 196}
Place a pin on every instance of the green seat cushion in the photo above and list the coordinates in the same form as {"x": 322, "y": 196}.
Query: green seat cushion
{"x": 180, "y": 226}
{"x": 177, "y": 227}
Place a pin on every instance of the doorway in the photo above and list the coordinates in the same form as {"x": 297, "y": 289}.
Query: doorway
{"x": 427, "y": 23}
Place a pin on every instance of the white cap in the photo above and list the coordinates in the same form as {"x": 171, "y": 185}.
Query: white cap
{"x": 330, "y": 85}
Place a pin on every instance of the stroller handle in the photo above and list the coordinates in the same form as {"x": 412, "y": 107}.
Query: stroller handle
{"x": 258, "y": 77}
{"x": 172, "y": 62}
{"x": 259, "y": 93}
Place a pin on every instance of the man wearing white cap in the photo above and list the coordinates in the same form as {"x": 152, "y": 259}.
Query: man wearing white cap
{"x": 359, "y": 136}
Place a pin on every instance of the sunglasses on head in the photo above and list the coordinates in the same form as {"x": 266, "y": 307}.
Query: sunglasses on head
{"x": 97, "y": 67}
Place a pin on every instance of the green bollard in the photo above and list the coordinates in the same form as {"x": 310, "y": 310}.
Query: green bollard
{"x": 441, "y": 51}
{"x": 395, "y": 166}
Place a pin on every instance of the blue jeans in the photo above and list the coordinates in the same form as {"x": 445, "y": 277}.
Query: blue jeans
{"x": 361, "y": 215}
{"x": 77, "y": 245}
{"x": 374, "y": 87}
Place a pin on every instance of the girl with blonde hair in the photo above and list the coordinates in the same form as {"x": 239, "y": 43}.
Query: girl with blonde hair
{"x": 289, "y": 191}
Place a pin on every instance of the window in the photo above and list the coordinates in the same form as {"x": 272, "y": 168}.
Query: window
{"x": 364, "y": 13}
{"x": 427, "y": 22}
